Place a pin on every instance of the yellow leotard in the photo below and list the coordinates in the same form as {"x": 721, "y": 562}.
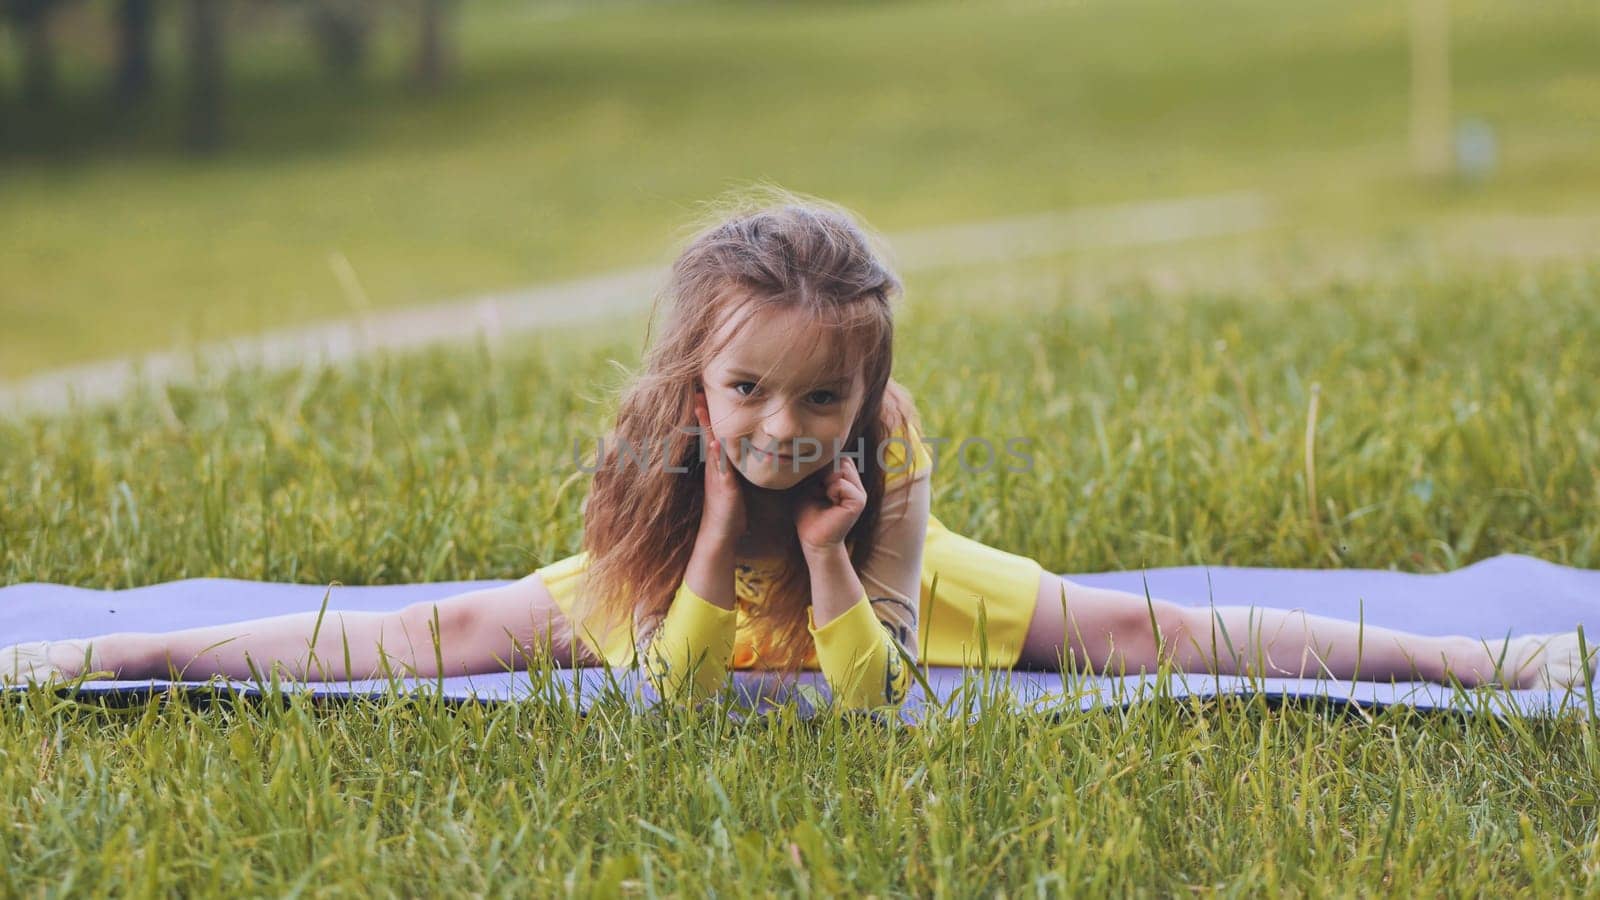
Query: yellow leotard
{"x": 970, "y": 574}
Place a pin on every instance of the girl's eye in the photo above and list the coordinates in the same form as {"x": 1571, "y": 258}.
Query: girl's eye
{"x": 820, "y": 398}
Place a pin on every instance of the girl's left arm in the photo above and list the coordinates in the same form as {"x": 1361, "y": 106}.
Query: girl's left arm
{"x": 868, "y": 618}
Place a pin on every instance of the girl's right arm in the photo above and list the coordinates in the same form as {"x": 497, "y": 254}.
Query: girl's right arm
{"x": 693, "y": 647}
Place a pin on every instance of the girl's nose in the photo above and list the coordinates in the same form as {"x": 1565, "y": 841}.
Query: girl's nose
{"x": 782, "y": 425}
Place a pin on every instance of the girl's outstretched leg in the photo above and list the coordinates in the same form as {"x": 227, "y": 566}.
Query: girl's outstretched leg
{"x": 1111, "y": 631}
{"x": 490, "y": 630}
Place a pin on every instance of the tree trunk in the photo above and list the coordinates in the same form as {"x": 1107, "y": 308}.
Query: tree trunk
{"x": 135, "y": 34}
{"x": 433, "y": 51}
{"x": 205, "y": 75}
{"x": 341, "y": 30}
{"x": 32, "y": 18}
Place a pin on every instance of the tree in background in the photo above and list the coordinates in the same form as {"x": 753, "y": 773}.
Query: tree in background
{"x": 341, "y": 29}
{"x": 203, "y": 34}
{"x": 31, "y": 20}
{"x": 135, "y": 66}
{"x": 433, "y": 62}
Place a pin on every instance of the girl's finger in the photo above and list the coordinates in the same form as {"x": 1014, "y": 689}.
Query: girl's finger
{"x": 850, "y": 473}
{"x": 707, "y": 433}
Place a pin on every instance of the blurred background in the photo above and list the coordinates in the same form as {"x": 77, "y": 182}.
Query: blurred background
{"x": 174, "y": 172}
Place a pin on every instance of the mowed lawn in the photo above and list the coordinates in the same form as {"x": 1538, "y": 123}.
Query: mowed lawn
{"x": 1455, "y": 420}
{"x": 576, "y": 141}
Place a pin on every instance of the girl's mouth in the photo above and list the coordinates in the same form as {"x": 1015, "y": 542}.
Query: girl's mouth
{"x": 775, "y": 457}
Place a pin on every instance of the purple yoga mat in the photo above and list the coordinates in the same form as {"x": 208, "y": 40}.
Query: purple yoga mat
{"x": 1507, "y": 595}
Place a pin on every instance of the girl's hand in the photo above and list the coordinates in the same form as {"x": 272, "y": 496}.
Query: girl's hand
{"x": 825, "y": 515}
{"x": 723, "y": 517}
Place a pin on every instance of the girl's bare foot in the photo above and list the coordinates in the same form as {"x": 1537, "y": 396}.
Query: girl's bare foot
{"x": 41, "y": 661}
{"x": 21, "y": 663}
{"x": 1549, "y": 662}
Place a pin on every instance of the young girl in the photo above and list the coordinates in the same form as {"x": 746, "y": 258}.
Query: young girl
{"x": 763, "y": 501}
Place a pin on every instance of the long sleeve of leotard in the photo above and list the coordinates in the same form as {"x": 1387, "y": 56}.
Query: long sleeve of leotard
{"x": 859, "y": 652}
{"x": 693, "y": 647}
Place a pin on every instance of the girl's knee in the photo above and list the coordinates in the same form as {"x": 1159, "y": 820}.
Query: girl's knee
{"x": 1147, "y": 616}
{"x": 1141, "y": 631}
{"x": 1176, "y": 622}
{"x": 421, "y": 621}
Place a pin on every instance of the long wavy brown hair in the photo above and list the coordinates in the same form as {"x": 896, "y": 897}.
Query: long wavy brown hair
{"x": 640, "y": 521}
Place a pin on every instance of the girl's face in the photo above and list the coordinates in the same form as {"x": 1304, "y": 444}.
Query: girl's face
{"x": 768, "y": 390}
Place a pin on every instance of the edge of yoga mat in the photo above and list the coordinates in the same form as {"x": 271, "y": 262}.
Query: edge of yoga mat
{"x": 955, "y": 692}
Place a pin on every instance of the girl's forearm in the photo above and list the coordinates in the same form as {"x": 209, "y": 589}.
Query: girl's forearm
{"x": 835, "y": 586}
{"x": 710, "y": 571}
{"x": 854, "y": 651}
{"x": 689, "y": 654}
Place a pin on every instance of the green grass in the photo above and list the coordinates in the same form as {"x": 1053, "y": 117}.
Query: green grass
{"x": 1167, "y": 394}
{"x": 1456, "y": 421}
{"x": 578, "y": 143}
{"x": 1228, "y": 797}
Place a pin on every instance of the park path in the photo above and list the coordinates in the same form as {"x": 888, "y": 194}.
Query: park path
{"x": 620, "y": 293}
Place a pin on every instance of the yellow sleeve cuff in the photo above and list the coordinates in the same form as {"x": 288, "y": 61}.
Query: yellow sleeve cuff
{"x": 859, "y": 659}
{"x": 693, "y": 646}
